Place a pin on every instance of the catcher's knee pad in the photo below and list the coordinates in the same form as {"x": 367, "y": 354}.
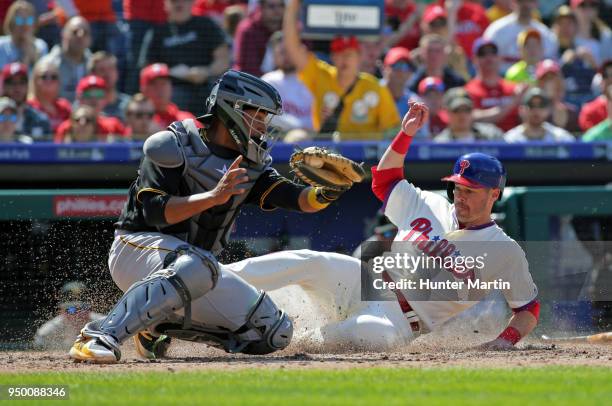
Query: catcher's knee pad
{"x": 196, "y": 270}
{"x": 267, "y": 328}
{"x": 188, "y": 275}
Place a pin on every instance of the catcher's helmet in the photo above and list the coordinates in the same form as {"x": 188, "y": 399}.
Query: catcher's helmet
{"x": 233, "y": 93}
{"x": 477, "y": 170}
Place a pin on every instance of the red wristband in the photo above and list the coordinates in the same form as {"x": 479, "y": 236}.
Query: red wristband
{"x": 401, "y": 143}
{"x": 510, "y": 334}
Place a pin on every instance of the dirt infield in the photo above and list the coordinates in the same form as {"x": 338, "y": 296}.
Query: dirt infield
{"x": 186, "y": 356}
{"x": 451, "y": 345}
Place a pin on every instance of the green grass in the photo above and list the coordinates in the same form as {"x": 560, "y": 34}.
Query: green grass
{"x": 383, "y": 386}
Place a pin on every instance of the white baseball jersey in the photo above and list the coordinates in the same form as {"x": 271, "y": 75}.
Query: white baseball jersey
{"x": 428, "y": 228}
{"x": 297, "y": 100}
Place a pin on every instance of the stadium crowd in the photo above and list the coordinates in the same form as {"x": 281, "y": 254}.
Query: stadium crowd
{"x": 490, "y": 70}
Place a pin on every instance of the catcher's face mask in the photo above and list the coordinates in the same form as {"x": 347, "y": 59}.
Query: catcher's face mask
{"x": 261, "y": 135}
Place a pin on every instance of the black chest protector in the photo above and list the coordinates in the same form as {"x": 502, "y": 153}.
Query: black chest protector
{"x": 202, "y": 171}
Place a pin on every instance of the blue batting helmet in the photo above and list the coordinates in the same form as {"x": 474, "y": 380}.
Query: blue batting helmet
{"x": 477, "y": 170}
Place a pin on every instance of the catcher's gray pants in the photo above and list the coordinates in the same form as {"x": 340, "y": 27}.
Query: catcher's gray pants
{"x": 333, "y": 280}
{"x": 133, "y": 256}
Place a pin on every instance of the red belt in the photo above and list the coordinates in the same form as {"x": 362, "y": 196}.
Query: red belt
{"x": 408, "y": 311}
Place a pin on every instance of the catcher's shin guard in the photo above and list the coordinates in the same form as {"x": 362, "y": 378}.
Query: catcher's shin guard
{"x": 190, "y": 275}
{"x": 267, "y": 329}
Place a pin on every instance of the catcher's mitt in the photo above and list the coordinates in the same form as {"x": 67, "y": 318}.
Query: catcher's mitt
{"x": 320, "y": 167}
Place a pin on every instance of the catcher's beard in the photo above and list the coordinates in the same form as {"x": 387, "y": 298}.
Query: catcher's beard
{"x": 265, "y": 144}
{"x": 262, "y": 136}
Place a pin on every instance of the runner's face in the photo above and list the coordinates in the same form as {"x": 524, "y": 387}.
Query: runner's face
{"x": 472, "y": 204}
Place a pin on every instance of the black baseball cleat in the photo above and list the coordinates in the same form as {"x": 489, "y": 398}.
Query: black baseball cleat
{"x": 149, "y": 346}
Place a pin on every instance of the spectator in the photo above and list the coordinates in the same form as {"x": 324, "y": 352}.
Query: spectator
{"x": 565, "y": 27}
{"x": 502, "y": 8}
{"x": 85, "y": 126}
{"x": 19, "y": 44}
{"x": 534, "y": 111}
{"x": 550, "y": 80}
{"x": 371, "y": 51}
{"x": 433, "y": 53}
{"x": 48, "y": 21}
{"x": 231, "y": 19}
{"x": 297, "y": 99}
{"x": 214, "y": 9}
{"x": 4, "y": 5}
{"x": 156, "y": 85}
{"x": 499, "y": 9}
{"x": 402, "y": 23}
{"x": 578, "y": 64}
{"x": 140, "y": 16}
{"x": 104, "y": 65}
{"x": 44, "y": 93}
{"x": 8, "y": 122}
{"x": 530, "y": 45}
{"x": 105, "y": 34}
{"x": 495, "y": 99}
{"x": 546, "y": 10}
{"x": 467, "y": 22}
{"x": 72, "y": 55}
{"x": 397, "y": 71}
{"x": 139, "y": 114}
{"x": 15, "y": 86}
{"x": 195, "y": 49}
{"x": 81, "y": 127}
{"x": 253, "y": 33}
{"x": 91, "y": 92}
{"x": 461, "y": 126}
{"x": 505, "y": 31}
{"x": 592, "y": 29}
{"x": 603, "y": 130}
{"x": 345, "y": 100}
{"x": 73, "y": 311}
{"x": 595, "y": 111}
{"x": 431, "y": 92}
{"x": 435, "y": 21}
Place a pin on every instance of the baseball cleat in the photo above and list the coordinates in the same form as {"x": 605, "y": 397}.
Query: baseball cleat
{"x": 95, "y": 347}
{"x": 149, "y": 346}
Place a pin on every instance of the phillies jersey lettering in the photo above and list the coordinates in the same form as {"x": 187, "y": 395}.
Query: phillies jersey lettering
{"x": 435, "y": 248}
{"x": 427, "y": 225}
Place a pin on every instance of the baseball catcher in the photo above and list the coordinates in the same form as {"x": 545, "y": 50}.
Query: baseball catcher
{"x": 181, "y": 208}
{"x": 429, "y": 226}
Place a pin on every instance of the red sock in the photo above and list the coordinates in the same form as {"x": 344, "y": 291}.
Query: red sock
{"x": 510, "y": 334}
